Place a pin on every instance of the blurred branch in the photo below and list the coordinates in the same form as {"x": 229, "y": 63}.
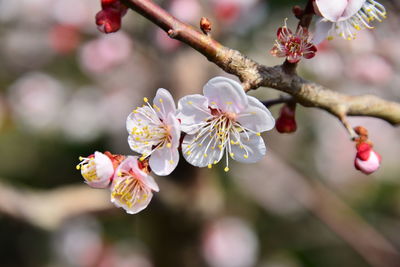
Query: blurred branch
{"x": 48, "y": 209}
{"x": 254, "y": 75}
{"x": 319, "y": 200}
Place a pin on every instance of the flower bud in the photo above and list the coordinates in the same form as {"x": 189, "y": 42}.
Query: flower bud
{"x": 205, "y": 25}
{"x": 98, "y": 169}
{"x": 367, "y": 160}
{"x": 286, "y": 123}
{"x": 109, "y": 18}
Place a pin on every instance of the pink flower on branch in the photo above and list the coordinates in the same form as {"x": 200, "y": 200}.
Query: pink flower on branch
{"x": 367, "y": 160}
{"x": 223, "y": 121}
{"x": 109, "y": 18}
{"x": 154, "y": 131}
{"x": 345, "y": 17}
{"x": 132, "y": 187}
{"x": 293, "y": 46}
{"x": 98, "y": 169}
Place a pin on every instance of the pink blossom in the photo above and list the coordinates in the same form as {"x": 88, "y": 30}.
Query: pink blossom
{"x": 226, "y": 120}
{"x": 132, "y": 187}
{"x": 154, "y": 131}
{"x": 293, "y": 46}
{"x": 98, "y": 169}
{"x": 367, "y": 160}
{"x": 345, "y": 17}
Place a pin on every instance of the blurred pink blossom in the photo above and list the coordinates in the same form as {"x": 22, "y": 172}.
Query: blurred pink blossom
{"x": 370, "y": 69}
{"x": 230, "y": 242}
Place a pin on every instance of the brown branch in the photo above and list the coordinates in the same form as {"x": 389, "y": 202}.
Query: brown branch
{"x": 254, "y": 75}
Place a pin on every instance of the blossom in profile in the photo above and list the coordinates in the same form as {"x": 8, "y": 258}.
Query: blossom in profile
{"x": 367, "y": 160}
{"x": 293, "y": 46}
{"x": 346, "y": 17}
{"x": 132, "y": 187}
{"x": 98, "y": 168}
{"x": 223, "y": 121}
{"x": 154, "y": 131}
{"x": 109, "y": 18}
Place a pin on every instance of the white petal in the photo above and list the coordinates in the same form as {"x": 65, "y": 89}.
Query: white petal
{"x": 164, "y": 160}
{"x": 256, "y": 119}
{"x": 192, "y": 110}
{"x": 138, "y": 146}
{"x": 104, "y": 166}
{"x": 225, "y": 94}
{"x": 352, "y": 8}
{"x": 174, "y": 129}
{"x": 151, "y": 183}
{"x": 322, "y": 30}
{"x": 165, "y": 102}
{"x": 331, "y": 9}
{"x": 199, "y": 153}
{"x": 252, "y": 149}
{"x": 138, "y": 206}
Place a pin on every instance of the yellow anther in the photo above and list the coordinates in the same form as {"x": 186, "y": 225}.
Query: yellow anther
{"x": 213, "y": 103}
{"x": 215, "y": 162}
{"x": 259, "y": 134}
{"x": 80, "y": 158}
{"x": 169, "y": 145}
{"x": 142, "y": 158}
{"x": 226, "y": 169}
{"x": 205, "y": 155}
{"x": 137, "y": 138}
{"x": 246, "y": 156}
{"x": 220, "y": 146}
{"x": 78, "y": 167}
{"x": 330, "y": 38}
{"x": 189, "y": 152}
{"x": 145, "y": 99}
{"x": 209, "y": 166}
{"x": 190, "y": 102}
{"x": 229, "y": 103}
{"x": 232, "y": 154}
{"x": 161, "y": 100}
{"x": 200, "y": 145}
{"x": 171, "y": 161}
{"x": 119, "y": 174}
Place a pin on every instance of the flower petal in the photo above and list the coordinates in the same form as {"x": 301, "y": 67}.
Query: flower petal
{"x": 322, "y": 30}
{"x": 225, "y": 94}
{"x": 252, "y": 150}
{"x": 192, "y": 110}
{"x": 203, "y": 152}
{"x": 352, "y": 8}
{"x": 151, "y": 183}
{"x": 331, "y": 10}
{"x": 174, "y": 129}
{"x": 165, "y": 102}
{"x": 145, "y": 195}
{"x": 257, "y": 116}
{"x": 164, "y": 160}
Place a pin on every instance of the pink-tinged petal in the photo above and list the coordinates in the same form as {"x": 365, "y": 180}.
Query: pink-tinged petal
{"x": 164, "y": 160}
{"x": 352, "y": 8}
{"x": 174, "y": 129}
{"x": 192, "y": 110}
{"x": 322, "y": 31}
{"x": 370, "y": 165}
{"x": 97, "y": 170}
{"x": 104, "y": 166}
{"x": 151, "y": 183}
{"x": 225, "y": 94}
{"x": 146, "y": 195}
{"x": 165, "y": 103}
{"x": 332, "y": 9}
{"x": 256, "y": 119}
{"x": 252, "y": 149}
{"x": 203, "y": 152}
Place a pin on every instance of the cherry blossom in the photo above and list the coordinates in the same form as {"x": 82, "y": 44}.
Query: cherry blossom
{"x": 346, "y": 17}
{"x": 98, "y": 169}
{"x": 367, "y": 160}
{"x": 293, "y": 46}
{"x": 154, "y": 131}
{"x": 132, "y": 187}
{"x": 226, "y": 120}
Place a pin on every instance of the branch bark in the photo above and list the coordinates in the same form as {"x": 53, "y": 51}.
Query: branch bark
{"x": 254, "y": 75}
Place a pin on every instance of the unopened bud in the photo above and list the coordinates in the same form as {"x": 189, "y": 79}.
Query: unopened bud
{"x": 205, "y": 25}
{"x": 286, "y": 123}
{"x": 297, "y": 11}
{"x": 367, "y": 160}
{"x": 109, "y": 18}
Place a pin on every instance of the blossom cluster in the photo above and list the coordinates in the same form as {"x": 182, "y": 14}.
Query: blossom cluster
{"x": 224, "y": 121}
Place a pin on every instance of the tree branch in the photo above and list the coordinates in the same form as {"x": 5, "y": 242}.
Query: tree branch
{"x": 254, "y": 75}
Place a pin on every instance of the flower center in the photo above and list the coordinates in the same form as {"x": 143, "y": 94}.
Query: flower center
{"x": 130, "y": 190}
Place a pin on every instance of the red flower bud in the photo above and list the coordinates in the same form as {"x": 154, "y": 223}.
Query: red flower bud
{"x": 109, "y": 18}
{"x": 286, "y": 123}
{"x": 367, "y": 160}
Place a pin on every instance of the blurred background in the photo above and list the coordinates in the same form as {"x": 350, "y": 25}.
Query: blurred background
{"x": 66, "y": 90}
